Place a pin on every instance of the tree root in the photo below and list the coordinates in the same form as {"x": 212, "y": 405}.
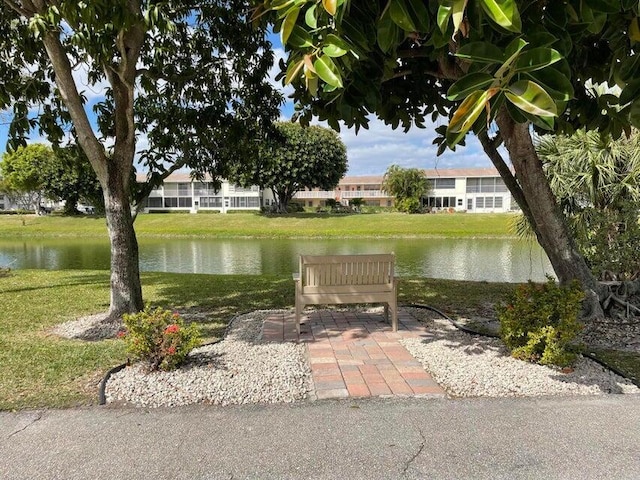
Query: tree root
{"x": 619, "y": 299}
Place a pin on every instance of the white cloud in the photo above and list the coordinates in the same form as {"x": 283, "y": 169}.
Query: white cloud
{"x": 371, "y": 151}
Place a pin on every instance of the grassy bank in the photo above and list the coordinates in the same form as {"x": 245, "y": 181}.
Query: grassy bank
{"x": 255, "y": 225}
{"x": 38, "y": 369}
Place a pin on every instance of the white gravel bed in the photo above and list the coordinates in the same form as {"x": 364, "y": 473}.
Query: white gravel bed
{"x": 474, "y": 366}
{"x": 238, "y": 370}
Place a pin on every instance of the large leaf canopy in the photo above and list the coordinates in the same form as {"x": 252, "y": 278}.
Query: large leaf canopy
{"x": 408, "y": 60}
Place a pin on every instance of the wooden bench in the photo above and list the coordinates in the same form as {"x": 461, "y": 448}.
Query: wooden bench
{"x": 343, "y": 279}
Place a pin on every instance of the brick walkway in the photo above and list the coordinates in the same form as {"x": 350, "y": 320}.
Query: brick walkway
{"x": 356, "y": 354}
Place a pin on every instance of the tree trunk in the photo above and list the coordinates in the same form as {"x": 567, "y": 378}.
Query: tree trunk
{"x": 549, "y": 223}
{"x": 126, "y": 291}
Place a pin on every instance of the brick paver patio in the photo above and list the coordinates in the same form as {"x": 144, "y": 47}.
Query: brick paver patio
{"x": 356, "y": 354}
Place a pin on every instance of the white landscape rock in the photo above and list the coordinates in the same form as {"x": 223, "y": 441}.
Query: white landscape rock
{"x": 473, "y": 366}
{"x": 242, "y": 369}
{"x": 238, "y": 370}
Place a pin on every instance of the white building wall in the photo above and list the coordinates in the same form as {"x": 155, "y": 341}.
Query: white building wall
{"x": 182, "y": 194}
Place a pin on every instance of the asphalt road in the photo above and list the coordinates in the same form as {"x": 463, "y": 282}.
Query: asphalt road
{"x": 552, "y": 438}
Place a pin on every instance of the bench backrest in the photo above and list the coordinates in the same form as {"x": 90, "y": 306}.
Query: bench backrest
{"x": 347, "y": 270}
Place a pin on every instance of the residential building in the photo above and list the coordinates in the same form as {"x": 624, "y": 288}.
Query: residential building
{"x": 179, "y": 192}
{"x": 477, "y": 190}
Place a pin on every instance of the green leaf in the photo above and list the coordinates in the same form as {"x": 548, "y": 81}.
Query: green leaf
{"x": 481, "y": 52}
{"x": 536, "y": 58}
{"x": 333, "y": 51}
{"x": 546, "y": 123}
{"x": 630, "y": 92}
{"x": 605, "y": 6}
{"x": 511, "y": 53}
{"x": 310, "y": 17}
{"x": 312, "y": 86}
{"x": 387, "y": 33}
{"x": 300, "y": 38}
{"x": 292, "y": 70}
{"x": 288, "y": 24}
{"x": 400, "y": 15}
{"x": 457, "y": 13}
{"x": 504, "y": 13}
{"x": 334, "y": 46}
{"x": 634, "y": 30}
{"x": 469, "y": 84}
{"x": 530, "y": 97}
{"x": 554, "y": 82}
{"x": 327, "y": 71}
{"x": 444, "y": 13}
{"x": 419, "y": 14}
{"x": 468, "y": 112}
{"x": 598, "y": 23}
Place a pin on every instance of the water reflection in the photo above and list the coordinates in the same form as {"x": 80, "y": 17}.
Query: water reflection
{"x": 503, "y": 260}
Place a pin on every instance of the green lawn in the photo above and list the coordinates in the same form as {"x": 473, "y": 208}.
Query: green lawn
{"x": 256, "y": 225}
{"x": 41, "y": 370}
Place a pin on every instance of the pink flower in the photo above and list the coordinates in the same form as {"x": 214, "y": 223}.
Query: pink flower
{"x": 173, "y": 328}
{"x": 121, "y": 334}
{"x": 171, "y": 350}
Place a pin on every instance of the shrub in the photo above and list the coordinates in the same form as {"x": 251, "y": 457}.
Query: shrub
{"x": 409, "y": 205}
{"x": 159, "y": 337}
{"x": 539, "y": 322}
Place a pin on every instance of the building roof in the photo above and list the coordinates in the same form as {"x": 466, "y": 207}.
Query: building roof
{"x": 431, "y": 173}
{"x": 359, "y": 179}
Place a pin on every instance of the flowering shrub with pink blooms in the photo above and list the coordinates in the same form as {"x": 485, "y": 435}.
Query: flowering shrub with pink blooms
{"x": 159, "y": 337}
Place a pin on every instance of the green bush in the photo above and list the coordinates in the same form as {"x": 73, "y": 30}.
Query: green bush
{"x": 539, "y": 322}
{"x": 409, "y": 205}
{"x": 159, "y": 337}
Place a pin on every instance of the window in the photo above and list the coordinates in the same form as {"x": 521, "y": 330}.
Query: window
{"x": 480, "y": 202}
{"x": 444, "y": 183}
{"x": 473, "y": 185}
{"x": 244, "y": 202}
{"x": 459, "y": 202}
{"x": 205, "y": 189}
{"x": 211, "y": 202}
{"x": 184, "y": 202}
{"x": 498, "y": 202}
{"x": 469, "y": 203}
{"x": 500, "y": 186}
{"x": 488, "y": 202}
{"x": 171, "y": 190}
{"x": 170, "y": 202}
{"x": 487, "y": 185}
{"x": 154, "y": 202}
{"x": 184, "y": 189}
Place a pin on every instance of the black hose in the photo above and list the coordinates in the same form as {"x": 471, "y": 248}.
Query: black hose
{"x": 470, "y": 331}
{"x": 102, "y": 397}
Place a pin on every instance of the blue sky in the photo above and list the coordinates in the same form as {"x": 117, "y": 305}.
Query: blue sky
{"x": 369, "y": 152}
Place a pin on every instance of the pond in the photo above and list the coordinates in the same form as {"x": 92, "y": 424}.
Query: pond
{"x": 494, "y": 260}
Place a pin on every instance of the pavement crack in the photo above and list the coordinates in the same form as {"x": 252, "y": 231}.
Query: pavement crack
{"x": 30, "y": 421}
{"x": 423, "y": 443}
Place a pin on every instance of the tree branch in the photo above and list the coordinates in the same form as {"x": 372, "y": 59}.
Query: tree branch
{"x": 73, "y": 101}
{"x": 18, "y": 9}
{"x": 490, "y": 147}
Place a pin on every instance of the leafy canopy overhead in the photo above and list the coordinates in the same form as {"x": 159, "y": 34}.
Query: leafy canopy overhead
{"x": 199, "y": 80}
{"x": 407, "y": 60}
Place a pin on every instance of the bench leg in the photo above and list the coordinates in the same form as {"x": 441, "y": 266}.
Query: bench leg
{"x": 298, "y": 315}
{"x": 393, "y": 306}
